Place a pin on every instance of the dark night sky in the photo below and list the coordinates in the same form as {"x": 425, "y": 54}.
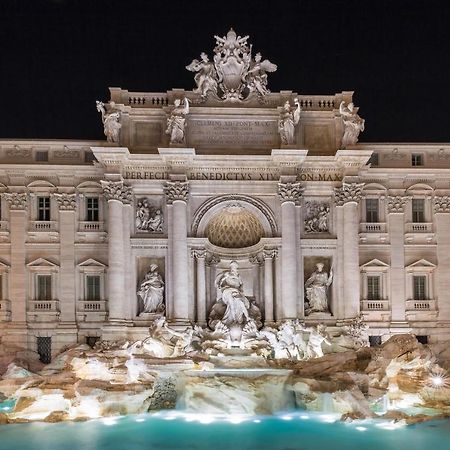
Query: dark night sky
{"x": 58, "y": 57}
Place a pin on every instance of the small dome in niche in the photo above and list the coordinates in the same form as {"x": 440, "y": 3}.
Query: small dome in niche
{"x": 234, "y": 227}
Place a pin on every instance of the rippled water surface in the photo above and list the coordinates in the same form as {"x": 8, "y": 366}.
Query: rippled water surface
{"x": 176, "y": 431}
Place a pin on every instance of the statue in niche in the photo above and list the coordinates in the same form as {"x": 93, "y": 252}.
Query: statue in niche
{"x": 151, "y": 291}
{"x": 148, "y": 217}
{"x": 206, "y": 76}
{"x": 316, "y": 290}
{"x": 353, "y": 124}
{"x": 111, "y": 121}
{"x": 233, "y": 308}
{"x": 176, "y": 123}
{"x": 289, "y": 118}
{"x": 316, "y": 217}
{"x": 256, "y": 77}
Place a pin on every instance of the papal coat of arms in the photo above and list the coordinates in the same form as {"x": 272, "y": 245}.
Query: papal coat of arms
{"x": 234, "y": 74}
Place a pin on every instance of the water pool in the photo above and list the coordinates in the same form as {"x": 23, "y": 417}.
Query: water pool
{"x": 176, "y": 431}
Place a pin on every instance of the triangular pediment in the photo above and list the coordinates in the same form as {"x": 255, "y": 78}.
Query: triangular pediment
{"x": 374, "y": 263}
{"x": 41, "y": 262}
{"x": 421, "y": 263}
{"x": 91, "y": 263}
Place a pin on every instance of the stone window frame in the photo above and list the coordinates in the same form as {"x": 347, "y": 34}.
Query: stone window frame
{"x": 424, "y": 268}
{"x": 91, "y": 267}
{"x": 420, "y": 192}
{"x": 378, "y": 192}
{"x": 42, "y": 188}
{"x": 421, "y": 155}
{"x": 88, "y": 190}
{"x": 42, "y": 266}
{"x": 375, "y": 267}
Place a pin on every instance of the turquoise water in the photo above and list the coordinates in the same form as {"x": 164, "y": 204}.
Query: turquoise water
{"x": 169, "y": 431}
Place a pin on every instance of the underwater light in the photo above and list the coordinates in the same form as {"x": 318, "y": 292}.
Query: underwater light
{"x": 361, "y": 428}
{"x": 109, "y": 421}
{"x": 438, "y": 379}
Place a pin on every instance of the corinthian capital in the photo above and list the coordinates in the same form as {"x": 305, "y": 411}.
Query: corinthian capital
{"x": 16, "y": 200}
{"x": 176, "y": 190}
{"x": 290, "y": 192}
{"x": 116, "y": 190}
{"x": 66, "y": 202}
{"x": 441, "y": 204}
{"x": 349, "y": 192}
{"x": 396, "y": 204}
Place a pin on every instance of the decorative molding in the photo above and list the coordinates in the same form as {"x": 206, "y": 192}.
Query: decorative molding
{"x": 290, "y": 192}
{"x": 396, "y": 204}
{"x": 348, "y": 192}
{"x": 270, "y": 253}
{"x": 176, "y": 190}
{"x": 66, "y": 202}
{"x": 257, "y": 259}
{"x": 395, "y": 155}
{"x": 212, "y": 260}
{"x": 16, "y": 200}
{"x": 116, "y": 190}
{"x": 441, "y": 204}
{"x": 198, "y": 253}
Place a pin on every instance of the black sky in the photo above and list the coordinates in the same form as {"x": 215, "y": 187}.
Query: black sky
{"x": 59, "y": 56}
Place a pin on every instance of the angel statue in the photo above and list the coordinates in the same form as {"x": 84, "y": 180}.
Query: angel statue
{"x": 206, "y": 77}
{"x": 176, "y": 123}
{"x": 256, "y": 77}
{"x": 353, "y": 124}
{"x": 289, "y": 118}
{"x": 111, "y": 121}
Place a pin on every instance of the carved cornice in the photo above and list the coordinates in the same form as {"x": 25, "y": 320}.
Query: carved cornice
{"x": 66, "y": 202}
{"x": 176, "y": 190}
{"x": 116, "y": 190}
{"x": 16, "y": 200}
{"x": 270, "y": 253}
{"x": 348, "y": 192}
{"x": 396, "y": 204}
{"x": 198, "y": 253}
{"x": 290, "y": 192}
{"x": 441, "y": 204}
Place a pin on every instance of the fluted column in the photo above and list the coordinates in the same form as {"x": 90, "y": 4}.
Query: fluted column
{"x": 349, "y": 196}
{"x": 18, "y": 203}
{"x": 115, "y": 192}
{"x": 67, "y": 204}
{"x": 177, "y": 195}
{"x": 268, "y": 256}
{"x": 289, "y": 194}
{"x": 396, "y": 221}
{"x": 200, "y": 255}
{"x": 442, "y": 216}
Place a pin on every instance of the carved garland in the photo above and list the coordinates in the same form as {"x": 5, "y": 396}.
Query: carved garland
{"x": 176, "y": 190}
{"x": 349, "y": 192}
{"x": 16, "y": 200}
{"x": 67, "y": 202}
{"x": 200, "y": 213}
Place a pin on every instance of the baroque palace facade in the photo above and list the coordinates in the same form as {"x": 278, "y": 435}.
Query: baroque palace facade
{"x": 99, "y": 238}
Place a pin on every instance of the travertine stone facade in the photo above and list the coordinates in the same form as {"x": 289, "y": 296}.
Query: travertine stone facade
{"x": 82, "y": 222}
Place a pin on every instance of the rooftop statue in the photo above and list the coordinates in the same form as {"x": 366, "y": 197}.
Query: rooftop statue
{"x": 234, "y": 75}
{"x": 289, "y": 118}
{"x": 353, "y": 124}
{"x": 110, "y": 120}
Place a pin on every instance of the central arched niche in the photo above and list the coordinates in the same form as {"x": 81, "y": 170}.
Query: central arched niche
{"x": 234, "y": 227}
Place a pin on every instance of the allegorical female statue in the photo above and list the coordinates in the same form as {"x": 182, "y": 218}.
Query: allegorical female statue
{"x": 289, "y": 118}
{"x": 176, "y": 123}
{"x": 151, "y": 291}
{"x": 353, "y": 124}
{"x": 206, "y": 76}
{"x": 111, "y": 121}
{"x": 233, "y": 308}
{"x": 316, "y": 289}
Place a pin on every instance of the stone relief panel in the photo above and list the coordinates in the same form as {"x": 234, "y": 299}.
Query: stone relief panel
{"x": 150, "y": 290}
{"x": 149, "y": 217}
{"x": 317, "y": 217}
{"x": 318, "y": 276}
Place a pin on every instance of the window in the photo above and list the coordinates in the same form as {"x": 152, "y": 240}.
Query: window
{"x": 43, "y": 208}
{"x": 416, "y": 159}
{"x": 44, "y": 349}
{"x": 371, "y": 210}
{"x": 92, "y": 287}
{"x": 419, "y": 287}
{"x": 373, "y": 160}
{"x": 418, "y": 210}
{"x": 375, "y": 341}
{"x": 92, "y": 209}
{"x": 373, "y": 288}
{"x": 44, "y": 287}
{"x": 41, "y": 156}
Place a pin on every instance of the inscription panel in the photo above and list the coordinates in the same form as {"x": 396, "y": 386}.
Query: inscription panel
{"x": 232, "y": 133}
